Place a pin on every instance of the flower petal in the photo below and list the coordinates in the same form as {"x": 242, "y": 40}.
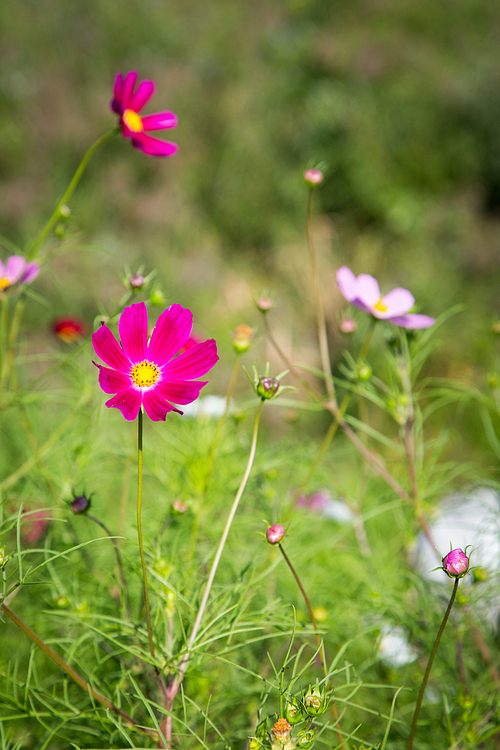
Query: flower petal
{"x": 144, "y": 92}
{"x": 347, "y": 283}
{"x": 159, "y": 121}
{"x": 367, "y": 290}
{"x": 153, "y": 146}
{"x": 128, "y": 402}
{"x": 108, "y": 349}
{"x": 412, "y": 320}
{"x": 133, "y": 328}
{"x": 398, "y": 302}
{"x": 113, "y": 381}
{"x": 128, "y": 89}
{"x": 156, "y": 407}
{"x": 117, "y": 94}
{"x": 14, "y": 268}
{"x": 196, "y": 361}
{"x": 30, "y": 273}
{"x": 171, "y": 332}
{"x": 180, "y": 391}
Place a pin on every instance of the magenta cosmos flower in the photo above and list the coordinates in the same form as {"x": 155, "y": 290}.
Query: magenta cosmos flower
{"x": 127, "y": 105}
{"x": 17, "y": 270}
{"x": 363, "y": 291}
{"x": 145, "y": 374}
{"x": 456, "y": 563}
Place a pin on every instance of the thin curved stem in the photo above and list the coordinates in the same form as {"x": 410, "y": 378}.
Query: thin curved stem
{"x": 139, "y": 533}
{"x": 69, "y": 192}
{"x": 429, "y": 666}
{"x": 174, "y": 688}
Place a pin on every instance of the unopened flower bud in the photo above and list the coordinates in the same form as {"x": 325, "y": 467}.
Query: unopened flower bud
{"x": 242, "y": 338}
{"x": 275, "y": 533}
{"x": 157, "y": 298}
{"x": 480, "y": 575}
{"x": 313, "y": 177}
{"x": 492, "y": 380}
{"x": 64, "y": 212}
{"x": 264, "y": 304}
{"x": 348, "y": 325}
{"x": 456, "y": 563}
{"x": 364, "y": 372}
{"x": 305, "y": 738}
{"x": 293, "y": 712}
{"x": 496, "y": 327}
{"x": 267, "y": 387}
{"x": 314, "y": 701}
{"x": 136, "y": 281}
{"x": 179, "y": 507}
{"x": 80, "y": 504}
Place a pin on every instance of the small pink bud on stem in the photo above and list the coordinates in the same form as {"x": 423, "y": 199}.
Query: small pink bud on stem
{"x": 313, "y": 177}
{"x": 456, "y": 563}
{"x": 275, "y": 533}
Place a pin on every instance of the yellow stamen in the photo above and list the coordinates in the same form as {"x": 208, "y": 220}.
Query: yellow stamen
{"x": 145, "y": 374}
{"x": 4, "y": 283}
{"x": 380, "y": 306}
{"x": 132, "y": 121}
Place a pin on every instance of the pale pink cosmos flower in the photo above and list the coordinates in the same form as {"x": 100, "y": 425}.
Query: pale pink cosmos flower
{"x": 145, "y": 374}
{"x": 456, "y": 563}
{"x": 128, "y": 104}
{"x": 363, "y": 292}
{"x": 17, "y": 270}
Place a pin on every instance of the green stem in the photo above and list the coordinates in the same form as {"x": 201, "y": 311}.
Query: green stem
{"x": 320, "y": 311}
{"x": 70, "y": 671}
{"x": 119, "y": 561}
{"x": 321, "y": 648}
{"x": 429, "y": 666}
{"x": 174, "y": 688}
{"x": 213, "y": 450}
{"x": 69, "y": 192}
{"x": 139, "y": 533}
{"x": 8, "y": 362}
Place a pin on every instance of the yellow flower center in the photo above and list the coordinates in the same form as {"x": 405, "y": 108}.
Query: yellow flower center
{"x": 380, "y": 306}
{"x": 132, "y": 121}
{"x": 4, "y": 283}
{"x": 145, "y": 374}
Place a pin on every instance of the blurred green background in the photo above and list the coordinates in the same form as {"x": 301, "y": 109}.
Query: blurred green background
{"x": 400, "y": 99}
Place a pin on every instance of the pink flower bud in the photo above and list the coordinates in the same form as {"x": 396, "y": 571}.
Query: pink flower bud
{"x": 136, "y": 281}
{"x": 80, "y": 504}
{"x": 264, "y": 304}
{"x": 456, "y": 563}
{"x": 348, "y": 325}
{"x": 275, "y": 533}
{"x": 313, "y": 177}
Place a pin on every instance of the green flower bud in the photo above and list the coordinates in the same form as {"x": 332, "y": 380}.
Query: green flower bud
{"x": 314, "y": 701}
{"x": 293, "y": 712}
{"x": 157, "y": 298}
{"x": 305, "y": 739}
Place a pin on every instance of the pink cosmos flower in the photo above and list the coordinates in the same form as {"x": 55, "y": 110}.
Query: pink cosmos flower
{"x": 363, "y": 291}
{"x": 128, "y": 104}
{"x": 17, "y": 270}
{"x": 456, "y": 563}
{"x": 144, "y": 374}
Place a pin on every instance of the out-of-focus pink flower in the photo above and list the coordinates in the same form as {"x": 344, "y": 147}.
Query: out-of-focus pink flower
{"x": 348, "y": 325}
{"x": 363, "y": 291}
{"x": 144, "y": 374}
{"x": 456, "y": 563}
{"x": 316, "y": 501}
{"x": 35, "y": 524}
{"x": 69, "y": 330}
{"x": 128, "y": 104}
{"x": 275, "y": 533}
{"x": 17, "y": 270}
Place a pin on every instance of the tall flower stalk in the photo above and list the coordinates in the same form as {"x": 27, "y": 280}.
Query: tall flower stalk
{"x": 176, "y": 684}
{"x": 456, "y": 565}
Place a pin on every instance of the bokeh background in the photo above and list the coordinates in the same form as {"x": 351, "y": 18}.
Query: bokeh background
{"x": 399, "y": 99}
